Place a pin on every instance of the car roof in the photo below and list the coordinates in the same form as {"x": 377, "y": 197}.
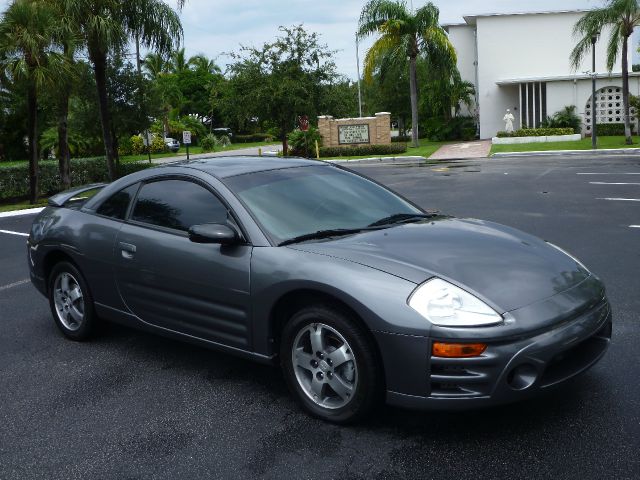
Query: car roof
{"x": 224, "y": 167}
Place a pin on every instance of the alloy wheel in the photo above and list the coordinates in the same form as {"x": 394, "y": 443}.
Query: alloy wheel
{"x": 324, "y": 366}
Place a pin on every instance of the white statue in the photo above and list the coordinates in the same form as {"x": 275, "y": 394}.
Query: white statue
{"x": 508, "y": 119}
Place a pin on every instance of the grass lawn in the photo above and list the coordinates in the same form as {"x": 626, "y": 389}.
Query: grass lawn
{"x": 584, "y": 144}
{"x": 426, "y": 149}
{"x": 194, "y": 150}
{"x": 22, "y": 205}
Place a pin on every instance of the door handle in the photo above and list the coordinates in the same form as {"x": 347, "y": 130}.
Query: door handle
{"x": 127, "y": 250}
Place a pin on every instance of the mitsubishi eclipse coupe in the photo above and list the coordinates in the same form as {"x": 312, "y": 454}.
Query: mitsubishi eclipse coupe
{"x": 357, "y": 293}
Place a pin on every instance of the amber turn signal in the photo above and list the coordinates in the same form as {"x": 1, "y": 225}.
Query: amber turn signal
{"x": 457, "y": 350}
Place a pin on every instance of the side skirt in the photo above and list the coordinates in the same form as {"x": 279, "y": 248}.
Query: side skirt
{"x": 128, "y": 320}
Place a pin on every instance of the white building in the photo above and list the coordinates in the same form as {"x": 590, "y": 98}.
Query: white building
{"x": 521, "y": 62}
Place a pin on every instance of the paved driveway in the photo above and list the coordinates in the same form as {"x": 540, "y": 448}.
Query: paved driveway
{"x": 456, "y": 151}
{"x": 132, "y": 405}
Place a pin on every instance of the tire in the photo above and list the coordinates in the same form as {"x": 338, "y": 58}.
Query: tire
{"x": 343, "y": 383}
{"x": 71, "y": 302}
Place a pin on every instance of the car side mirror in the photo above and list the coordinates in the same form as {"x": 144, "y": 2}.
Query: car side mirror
{"x": 213, "y": 233}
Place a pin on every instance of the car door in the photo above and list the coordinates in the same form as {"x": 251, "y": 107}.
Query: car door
{"x": 172, "y": 283}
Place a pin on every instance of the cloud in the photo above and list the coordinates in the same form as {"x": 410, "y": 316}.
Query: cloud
{"x": 214, "y": 27}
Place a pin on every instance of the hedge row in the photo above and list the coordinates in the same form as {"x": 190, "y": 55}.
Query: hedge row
{"x": 256, "y": 137}
{"x": 14, "y": 180}
{"x": 357, "y": 151}
{"x": 610, "y": 129}
{"x": 401, "y": 139}
{"x": 537, "y": 132}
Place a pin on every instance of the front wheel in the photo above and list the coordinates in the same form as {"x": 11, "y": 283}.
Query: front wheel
{"x": 330, "y": 364}
{"x": 71, "y": 302}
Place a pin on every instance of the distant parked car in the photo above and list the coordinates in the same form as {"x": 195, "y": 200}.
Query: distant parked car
{"x": 223, "y": 131}
{"x": 172, "y": 144}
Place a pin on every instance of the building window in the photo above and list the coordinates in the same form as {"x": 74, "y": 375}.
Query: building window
{"x": 533, "y": 104}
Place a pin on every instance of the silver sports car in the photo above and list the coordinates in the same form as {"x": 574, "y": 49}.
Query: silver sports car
{"x": 357, "y": 293}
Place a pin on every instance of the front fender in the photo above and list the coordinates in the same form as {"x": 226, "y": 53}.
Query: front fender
{"x": 379, "y": 299}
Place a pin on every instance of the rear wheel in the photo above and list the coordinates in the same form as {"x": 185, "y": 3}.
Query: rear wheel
{"x": 71, "y": 302}
{"x": 330, "y": 364}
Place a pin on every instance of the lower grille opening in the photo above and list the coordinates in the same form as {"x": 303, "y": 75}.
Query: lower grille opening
{"x": 573, "y": 361}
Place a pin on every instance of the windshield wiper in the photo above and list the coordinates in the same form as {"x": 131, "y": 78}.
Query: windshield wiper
{"x": 401, "y": 218}
{"x": 322, "y": 234}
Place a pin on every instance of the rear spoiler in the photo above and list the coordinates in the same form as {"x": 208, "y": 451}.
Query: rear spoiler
{"x": 73, "y": 194}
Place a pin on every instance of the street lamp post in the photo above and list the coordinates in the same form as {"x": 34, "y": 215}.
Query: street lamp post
{"x": 594, "y": 39}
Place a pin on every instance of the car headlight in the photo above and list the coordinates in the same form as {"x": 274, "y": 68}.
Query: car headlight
{"x": 446, "y": 305}
{"x": 568, "y": 255}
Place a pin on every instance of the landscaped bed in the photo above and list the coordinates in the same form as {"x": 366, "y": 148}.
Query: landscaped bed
{"x": 584, "y": 144}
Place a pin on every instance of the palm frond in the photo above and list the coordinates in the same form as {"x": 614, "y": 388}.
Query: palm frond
{"x": 377, "y": 13}
{"x": 385, "y": 50}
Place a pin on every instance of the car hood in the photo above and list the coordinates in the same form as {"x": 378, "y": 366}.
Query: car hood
{"x": 505, "y": 267}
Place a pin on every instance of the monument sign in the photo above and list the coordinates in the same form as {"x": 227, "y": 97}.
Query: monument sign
{"x": 353, "y": 134}
{"x": 337, "y": 132}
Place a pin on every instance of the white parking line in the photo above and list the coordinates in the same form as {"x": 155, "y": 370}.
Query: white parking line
{"x": 608, "y": 173}
{"x": 634, "y": 226}
{"x": 621, "y": 199}
{"x": 614, "y": 183}
{"x": 14, "y": 233}
{"x": 14, "y": 284}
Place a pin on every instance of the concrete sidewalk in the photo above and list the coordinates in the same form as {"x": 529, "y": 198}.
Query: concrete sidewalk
{"x": 457, "y": 151}
{"x": 228, "y": 153}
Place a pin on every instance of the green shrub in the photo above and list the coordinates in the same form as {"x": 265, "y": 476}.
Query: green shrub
{"x": 254, "y": 137}
{"x": 610, "y": 129}
{"x": 457, "y": 128}
{"x": 210, "y": 142}
{"x": 158, "y": 145}
{"x": 14, "y": 180}
{"x": 565, "y": 118}
{"x": 401, "y": 139}
{"x": 361, "y": 150}
{"x": 124, "y": 147}
{"x": 137, "y": 145}
{"x": 537, "y": 132}
{"x": 304, "y": 143}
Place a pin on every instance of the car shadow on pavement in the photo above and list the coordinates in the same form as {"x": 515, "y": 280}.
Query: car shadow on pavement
{"x": 219, "y": 368}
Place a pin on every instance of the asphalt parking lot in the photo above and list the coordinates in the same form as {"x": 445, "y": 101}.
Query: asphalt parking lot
{"x": 132, "y": 405}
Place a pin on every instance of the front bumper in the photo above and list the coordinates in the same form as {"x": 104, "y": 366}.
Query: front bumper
{"x": 508, "y": 370}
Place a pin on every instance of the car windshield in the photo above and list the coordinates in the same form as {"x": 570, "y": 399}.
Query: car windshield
{"x": 293, "y": 202}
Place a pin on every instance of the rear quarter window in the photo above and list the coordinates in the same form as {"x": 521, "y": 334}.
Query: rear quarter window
{"x": 116, "y": 205}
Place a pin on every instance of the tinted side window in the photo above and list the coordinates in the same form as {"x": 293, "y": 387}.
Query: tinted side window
{"x": 116, "y": 205}
{"x": 177, "y": 204}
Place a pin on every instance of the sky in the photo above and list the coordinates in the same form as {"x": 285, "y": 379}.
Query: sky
{"x": 216, "y": 27}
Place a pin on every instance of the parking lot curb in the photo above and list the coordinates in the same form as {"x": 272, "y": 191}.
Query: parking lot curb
{"x": 379, "y": 159}
{"x": 17, "y": 213}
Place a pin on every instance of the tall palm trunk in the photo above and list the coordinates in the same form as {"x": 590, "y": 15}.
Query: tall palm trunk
{"x": 625, "y": 90}
{"x": 413, "y": 85}
{"x": 285, "y": 142}
{"x": 32, "y": 120}
{"x": 99, "y": 61}
{"x": 64, "y": 153}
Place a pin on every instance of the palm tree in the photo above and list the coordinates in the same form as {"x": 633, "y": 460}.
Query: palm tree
{"x": 105, "y": 26}
{"x": 178, "y": 62}
{"x": 404, "y": 34}
{"x": 27, "y": 46}
{"x": 621, "y": 17}
{"x": 154, "y": 65}
{"x": 202, "y": 63}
